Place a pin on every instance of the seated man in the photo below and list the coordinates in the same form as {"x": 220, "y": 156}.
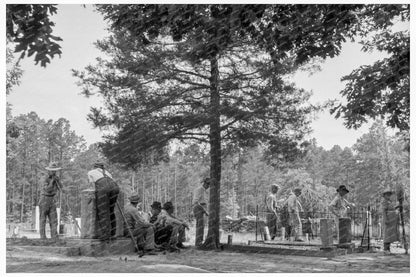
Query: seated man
{"x": 162, "y": 233}
{"x": 142, "y": 231}
{"x": 166, "y": 218}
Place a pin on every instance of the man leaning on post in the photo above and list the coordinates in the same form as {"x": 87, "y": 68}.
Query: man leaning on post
{"x": 106, "y": 194}
{"x": 199, "y": 202}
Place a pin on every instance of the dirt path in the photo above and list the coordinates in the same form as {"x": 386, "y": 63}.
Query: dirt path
{"x": 192, "y": 260}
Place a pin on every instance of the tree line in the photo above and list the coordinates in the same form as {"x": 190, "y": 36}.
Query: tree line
{"x": 376, "y": 161}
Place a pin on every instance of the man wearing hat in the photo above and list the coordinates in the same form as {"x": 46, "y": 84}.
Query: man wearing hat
{"x": 390, "y": 220}
{"x": 47, "y": 204}
{"x": 106, "y": 193}
{"x": 339, "y": 206}
{"x": 142, "y": 230}
{"x": 294, "y": 207}
{"x": 199, "y": 202}
{"x": 162, "y": 233}
{"x": 272, "y": 204}
{"x": 166, "y": 218}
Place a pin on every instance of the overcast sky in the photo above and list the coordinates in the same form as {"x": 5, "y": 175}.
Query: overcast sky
{"x": 52, "y": 93}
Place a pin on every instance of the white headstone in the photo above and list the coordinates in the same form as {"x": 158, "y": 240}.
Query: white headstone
{"x": 77, "y": 229}
{"x": 37, "y": 218}
{"x": 58, "y": 212}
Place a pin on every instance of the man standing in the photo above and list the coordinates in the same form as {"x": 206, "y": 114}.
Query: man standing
{"x": 294, "y": 206}
{"x": 106, "y": 193}
{"x": 166, "y": 218}
{"x": 390, "y": 220}
{"x": 339, "y": 206}
{"x": 47, "y": 201}
{"x": 272, "y": 207}
{"x": 142, "y": 231}
{"x": 199, "y": 202}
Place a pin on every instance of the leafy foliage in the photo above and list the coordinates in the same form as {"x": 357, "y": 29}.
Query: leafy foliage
{"x": 381, "y": 89}
{"x": 13, "y": 71}
{"x": 30, "y": 28}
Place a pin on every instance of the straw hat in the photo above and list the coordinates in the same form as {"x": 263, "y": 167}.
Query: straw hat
{"x": 387, "y": 191}
{"x": 134, "y": 198}
{"x": 53, "y": 166}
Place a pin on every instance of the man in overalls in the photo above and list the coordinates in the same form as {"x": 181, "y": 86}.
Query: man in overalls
{"x": 47, "y": 204}
{"x": 106, "y": 193}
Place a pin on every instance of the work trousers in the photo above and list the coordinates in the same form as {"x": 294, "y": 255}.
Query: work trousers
{"x": 106, "y": 193}
{"x": 272, "y": 224}
{"x": 163, "y": 234}
{"x": 48, "y": 210}
{"x": 199, "y": 217}
{"x": 178, "y": 234}
{"x": 145, "y": 237}
{"x": 295, "y": 225}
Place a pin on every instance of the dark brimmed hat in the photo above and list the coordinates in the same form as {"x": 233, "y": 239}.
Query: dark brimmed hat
{"x": 134, "y": 198}
{"x": 99, "y": 164}
{"x": 275, "y": 186}
{"x": 168, "y": 205}
{"x": 53, "y": 166}
{"x": 343, "y": 188}
{"x": 297, "y": 189}
{"x": 156, "y": 205}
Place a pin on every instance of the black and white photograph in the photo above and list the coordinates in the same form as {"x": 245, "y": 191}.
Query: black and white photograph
{"x": 207, "y": 137}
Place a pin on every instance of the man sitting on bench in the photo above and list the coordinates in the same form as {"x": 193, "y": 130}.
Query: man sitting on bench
{"x": 142, "y": 231}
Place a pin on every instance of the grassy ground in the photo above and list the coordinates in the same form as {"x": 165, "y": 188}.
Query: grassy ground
{"x": 19, "y": 259}
{"x": 192, "y": 260}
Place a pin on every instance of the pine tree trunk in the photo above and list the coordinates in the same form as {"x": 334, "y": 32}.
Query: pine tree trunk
{"x": 213, "y": 236}
{"x": 23, "y": 186}
{"x": 151, "y": 180}
{"x": 22, "y": 207}
{"x": 12, "y": 204}
{"x": 143, "y": 192}
{"x": 133, "y": 187}
{"x": 176, "y": 201}
{"x": 37, "y": 187}
{"x": 167, "y": 187}
{"x": 31, "y": 187}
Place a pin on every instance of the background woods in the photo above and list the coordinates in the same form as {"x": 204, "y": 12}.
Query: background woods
{"x": 376, "y": 160}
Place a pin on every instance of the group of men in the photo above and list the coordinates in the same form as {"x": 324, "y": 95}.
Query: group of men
{"x": 283, "y": 213}
{"x": 106, "y": 193}
{"x": 160, "y": 229}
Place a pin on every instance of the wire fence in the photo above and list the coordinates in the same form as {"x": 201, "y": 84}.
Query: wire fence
{"x": 310, "y": 221}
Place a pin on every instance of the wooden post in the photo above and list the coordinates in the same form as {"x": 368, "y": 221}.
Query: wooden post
{"x": 257, "y": 215}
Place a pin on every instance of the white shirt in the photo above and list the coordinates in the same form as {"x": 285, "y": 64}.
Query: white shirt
{"x": 338, "y": 206}
{"x": 96, "y": 174}
{"x": 199, "y": 196}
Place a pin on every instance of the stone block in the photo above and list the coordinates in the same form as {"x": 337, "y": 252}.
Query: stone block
{"x": 345, "y": 230}
{"x": 88, "y": 214}
{"x": 89, "y": 222}
{"x": 326, "y": 232}
{"x": 119, "y": 218}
